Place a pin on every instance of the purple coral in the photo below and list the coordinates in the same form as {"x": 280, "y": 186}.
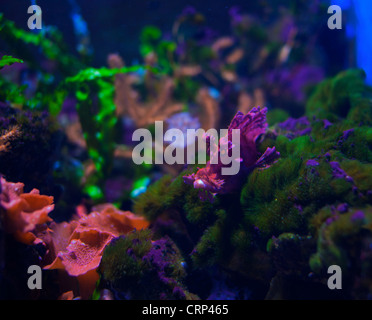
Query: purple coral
{"x": 312, "y": 163}
{"x": 338, "y": 173}
{"x": 235, "y": 15}
{"x": 186, "y": 13}
{"x": 346, "y": 134}
{"x": 343, "y": 207}
{"x": 326, "y": 123}
{"x": 210, "y": 179}
{"x": 189, "y": 11}
{"x": 295, "y": 127}
{"x": 162, "y": 259}
{"x": 293, "y": 83}
{"x": 358, "y": 215}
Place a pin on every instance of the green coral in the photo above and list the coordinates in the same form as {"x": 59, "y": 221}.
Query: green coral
{"x": 93, "y": 89}
{"x": 49, "y": 40}
{"x": 139, "y": 268}
{"x": 8, "y": 60}
{"x": 151, "y": 43}
{"x": 345, "y": 95}
{"x": 168, "y": 193}
{"x": 280, "y": 213}
{"x": 275, "y": 116}
{"x": 94, "y": 92}
{"x": 339, "y": 238}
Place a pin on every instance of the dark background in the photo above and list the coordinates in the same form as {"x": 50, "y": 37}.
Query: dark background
{"x": 115, "y": 25}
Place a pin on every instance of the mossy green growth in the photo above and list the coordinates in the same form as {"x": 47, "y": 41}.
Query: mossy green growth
{"x": 140, "y": 268}
{"x": 211, "y": 248}
{"x": 117, "y": 264}
{"x": 150, "y": 202}
{"x": 346, "y": 95}
{"x": 339, "y": 238}
{"x": 173, "y": 194}
{"x": 276, "y": 115}
{"x": 283, "y": 197}
{"x": 265, "y": 199}
{"x": 358, "y": 145}
{"x": 360, "y": 172}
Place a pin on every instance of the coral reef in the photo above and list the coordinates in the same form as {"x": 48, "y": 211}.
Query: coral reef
{"x": 73, "y": 201}
{"x": 280, "y": 214}
{"x": 75, "y": 247}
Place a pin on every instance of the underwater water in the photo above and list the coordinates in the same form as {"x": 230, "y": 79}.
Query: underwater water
{"x": 185, "y": 150}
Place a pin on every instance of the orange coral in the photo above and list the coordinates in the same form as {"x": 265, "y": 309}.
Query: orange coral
{"x": 210, "y": 110}
{"x": 248, "y": 101}
{"x": 7, "y": 136}
{"x": 116, "y": 222}
{"x": 75, "y": 247}
{"x": 69, "y": 295}
{"x": 128, "y": 103}
{"x": 23, "y": 213}
{"x": 87, "y": 237}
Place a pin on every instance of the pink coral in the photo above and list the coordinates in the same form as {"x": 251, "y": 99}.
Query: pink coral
{"x": 78, "y": 246}
{"x": 24, "y": 213}
{"x": 210, "y": 179}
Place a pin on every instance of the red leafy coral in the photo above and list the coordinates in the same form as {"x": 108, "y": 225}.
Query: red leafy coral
{"x": 211, "y": 180}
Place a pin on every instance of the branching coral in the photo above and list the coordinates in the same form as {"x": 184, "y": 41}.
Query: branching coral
{"x": 209, "y": 109}
{"x": 129, "y": 103}
{"x": 144, "y": 97}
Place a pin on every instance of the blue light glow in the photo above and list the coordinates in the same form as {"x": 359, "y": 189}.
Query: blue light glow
{"x": 363, "y": 12}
